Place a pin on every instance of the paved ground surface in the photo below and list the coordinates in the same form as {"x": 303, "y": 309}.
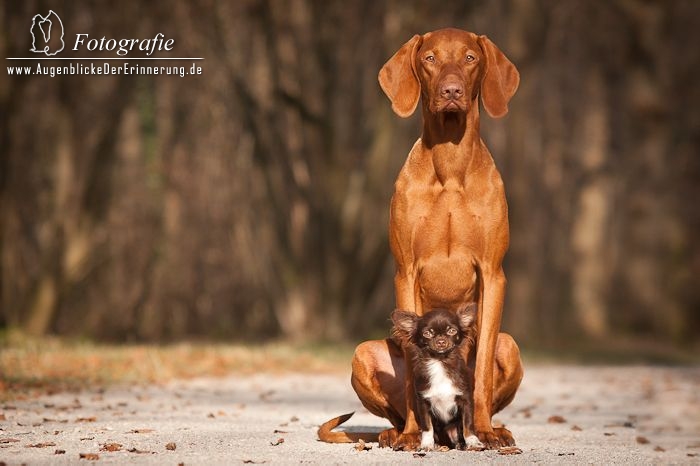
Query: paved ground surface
{"x": 606, "y": 415}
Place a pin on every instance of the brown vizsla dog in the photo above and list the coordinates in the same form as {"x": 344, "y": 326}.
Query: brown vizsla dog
{"x": 448, "y": 229}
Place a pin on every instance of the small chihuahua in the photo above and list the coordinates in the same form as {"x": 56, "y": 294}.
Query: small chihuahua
{"x": 443, "y": 382}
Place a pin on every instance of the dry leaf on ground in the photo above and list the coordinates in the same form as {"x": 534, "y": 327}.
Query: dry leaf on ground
{"x": 111, "y": 447}
{"x": 362, "y": 446}
{"x": 509, "y": 451}
{"x": 41, "y": 445}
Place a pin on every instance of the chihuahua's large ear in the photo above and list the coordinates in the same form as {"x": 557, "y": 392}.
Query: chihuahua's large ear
{"x": 399, "y": 80}
{"x": 466, "y": 315}
{"x": 405, "y": 323}
{"x": 500, "y": 80}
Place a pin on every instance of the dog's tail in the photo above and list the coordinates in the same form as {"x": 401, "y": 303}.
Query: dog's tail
{"x": 325, "y": 433}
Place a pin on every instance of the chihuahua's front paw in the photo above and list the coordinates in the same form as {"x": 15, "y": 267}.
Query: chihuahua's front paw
{"x": 473, "y": 443}
{"x": 427, "y": 441}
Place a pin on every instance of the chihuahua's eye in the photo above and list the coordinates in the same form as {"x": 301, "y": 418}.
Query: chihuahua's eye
{"x": 430, "y": 58}
{"x": 452, "y": 331}
{"x": 470, "y": 58}
{"x": 427, "y": 333}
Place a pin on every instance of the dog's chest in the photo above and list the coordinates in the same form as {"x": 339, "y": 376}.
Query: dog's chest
{"x": 441, "y": 392}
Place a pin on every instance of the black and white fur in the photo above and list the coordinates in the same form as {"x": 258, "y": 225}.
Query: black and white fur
{"x": 443, "y": 382}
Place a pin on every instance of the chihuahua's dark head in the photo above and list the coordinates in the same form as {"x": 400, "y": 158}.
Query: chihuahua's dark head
{"x": 438, "y": 331}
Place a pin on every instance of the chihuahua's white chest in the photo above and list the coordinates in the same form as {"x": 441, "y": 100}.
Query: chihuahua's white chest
{"x": 442, "y": 392}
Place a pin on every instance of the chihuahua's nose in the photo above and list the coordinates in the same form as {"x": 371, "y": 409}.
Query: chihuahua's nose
{"x": 441, "y": 342}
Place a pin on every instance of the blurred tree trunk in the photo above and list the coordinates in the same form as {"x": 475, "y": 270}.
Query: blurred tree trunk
{"x": 252, "y": 201}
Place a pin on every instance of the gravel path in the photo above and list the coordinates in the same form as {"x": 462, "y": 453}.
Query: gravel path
{"x": 561, "y": 415}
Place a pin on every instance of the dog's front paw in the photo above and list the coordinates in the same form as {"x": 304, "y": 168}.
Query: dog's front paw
{"x": 387, "y": 438}
{"x": 472, "y": 443}
{"x": 427, "y": 441}
{"x": 407, "y": 442}
{"x": 504, "y": 436}
{"x": 489, "y": 439}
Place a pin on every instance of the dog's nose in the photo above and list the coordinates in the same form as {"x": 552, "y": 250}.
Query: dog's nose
{"x": 451, "y": 90}
{"x": 441, "y": 343}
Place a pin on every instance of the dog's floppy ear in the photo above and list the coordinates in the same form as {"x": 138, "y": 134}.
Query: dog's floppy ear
{"x": 405, "y": 323}
{"x": 399, "y": 80}
{"x": 466, "y": 315}
{"x": 500, "y": 80}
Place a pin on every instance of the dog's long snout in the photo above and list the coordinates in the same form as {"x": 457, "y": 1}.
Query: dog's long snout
{"x": 451, "y": 88}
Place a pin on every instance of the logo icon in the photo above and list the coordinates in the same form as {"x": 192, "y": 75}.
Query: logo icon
{"x": 47, "y": 34}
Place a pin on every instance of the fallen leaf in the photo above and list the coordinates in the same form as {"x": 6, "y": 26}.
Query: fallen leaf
{"x": 41, "y": 445}
{"x": 692, "y": 455}
{"x": 576, "y": 428}
{"x": 442, "y": 448}
{"x": 136, "y": 450}
{"x": 170, "y": 446}
{"x": 659, "y": 448}
{"x": 59, "y": 452}
{"x": 642, "y": 440}
{"x": 279, "y": 441}
{"x": 509, "y": 451}
{"x": 620, "y": 424}
{"x": 86, "y": 419}
{"x": 111, "y": 447}
{"x": 89, "y": 456}
{"x": 140, "y": 431}
{"x": 362, "y": 446}
{"x": 211, "y": 415}
{"x": 556, "y": 419}
{"x": 277, "y": 431}
{"x": 419, "y": 454}
{"x": 608, "y": 434}
{"x": 565, "y": 454}
{"x": 9, "y": 440}
{"x": 253, "y": 462}
{"x": 87, "y": 438}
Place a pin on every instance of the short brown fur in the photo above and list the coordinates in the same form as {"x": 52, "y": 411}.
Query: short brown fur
{"x": 448, "y": 227}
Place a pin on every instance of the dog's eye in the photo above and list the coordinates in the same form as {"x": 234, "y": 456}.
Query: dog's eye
{"x": 470, "y": 58}
{"x": 430, "y": 58}
{"x": 427, "y": 333}
{"x": 452, "y": 331}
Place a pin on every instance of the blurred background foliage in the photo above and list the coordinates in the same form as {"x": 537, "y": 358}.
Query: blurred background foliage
{"x": 251, "y": 202}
